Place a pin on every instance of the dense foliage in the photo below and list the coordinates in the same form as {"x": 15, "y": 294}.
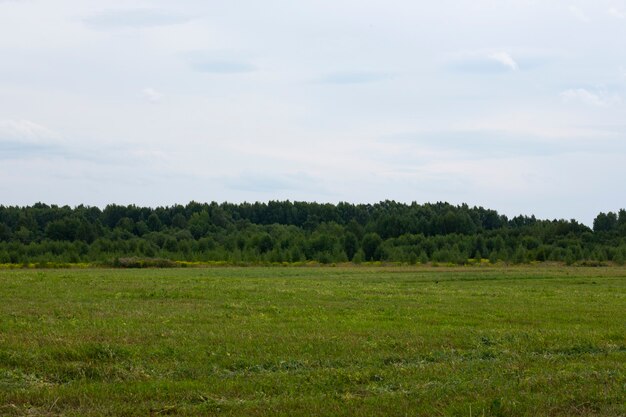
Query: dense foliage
{"x": 283, "y": 231}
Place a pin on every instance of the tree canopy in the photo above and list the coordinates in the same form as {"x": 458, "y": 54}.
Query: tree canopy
{"x": 285, "y": 231}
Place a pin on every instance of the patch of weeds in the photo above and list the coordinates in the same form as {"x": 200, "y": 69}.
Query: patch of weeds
{"x": 92, "y": 352}
{"x": 577, "y": 350}
{"x": 343, "y": 379}
{"x": 164, "y": 411}
{"x": 212, "y": 404}
{"x": 15, "y": 378}
{"x": 10, "y": 358}
{"x": 487, "y": 341}
{"x": 291, "y": 366}
{"x": 76, "y": 371}
{"x": 496, "y": 408}
{"x": 386, "y": 388}
{"x": 394, "y": 361}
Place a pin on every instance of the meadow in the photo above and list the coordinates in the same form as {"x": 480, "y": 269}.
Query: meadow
{"x": 324, "y": 341}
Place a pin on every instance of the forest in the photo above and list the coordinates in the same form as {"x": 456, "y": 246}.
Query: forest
{"x": 298, "y": 232}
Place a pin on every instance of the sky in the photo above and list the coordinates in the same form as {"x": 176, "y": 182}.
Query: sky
{"x": 513, "y": 105}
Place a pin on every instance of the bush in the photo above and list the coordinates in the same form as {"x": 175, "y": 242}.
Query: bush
{"x": 135, "y": 262}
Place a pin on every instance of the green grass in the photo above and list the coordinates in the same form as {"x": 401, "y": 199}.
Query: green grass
{"x": 314, "y": 341}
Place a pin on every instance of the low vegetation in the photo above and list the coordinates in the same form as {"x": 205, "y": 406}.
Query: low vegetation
{"x": 517, "y": 341}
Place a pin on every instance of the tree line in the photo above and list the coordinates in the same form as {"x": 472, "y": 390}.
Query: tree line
{"x": 285, "y": 231}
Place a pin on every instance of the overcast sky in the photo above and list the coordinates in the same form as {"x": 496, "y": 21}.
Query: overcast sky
{"x": 515, "y": 105}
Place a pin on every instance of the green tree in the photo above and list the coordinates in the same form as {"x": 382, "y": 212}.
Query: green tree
{"x": 371, "y": 246}
{"x": 350, "y": 245}
{"x": 154, "y": 223}
{"x": 264, "y": 242}
{"x": 605, "y": 222}
{"x": 5, "y": 233}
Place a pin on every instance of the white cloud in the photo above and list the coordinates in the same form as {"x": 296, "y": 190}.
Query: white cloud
{"x": 505, "y": 59}
{"x": 483, "y": 61}
{"x": 617, "y": 13}
{"x": 152, "y": 95}
{"x": 134, "y": 18}
{"x": 354, "y": 77}
{"x": 541, "y": 123}
{"x": 25, "y": 131}
{"x": 207, "y": 63}
{"x": 578, "y": 13}
{"x": 585, "y": 96}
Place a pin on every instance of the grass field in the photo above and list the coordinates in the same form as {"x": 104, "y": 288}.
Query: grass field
{"x": 339, "y": 341}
